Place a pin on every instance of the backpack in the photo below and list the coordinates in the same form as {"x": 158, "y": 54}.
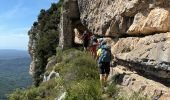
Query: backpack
{"x": 105, "y": 54}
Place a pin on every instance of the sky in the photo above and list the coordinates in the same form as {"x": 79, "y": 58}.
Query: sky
{"x": 16, "y": 18}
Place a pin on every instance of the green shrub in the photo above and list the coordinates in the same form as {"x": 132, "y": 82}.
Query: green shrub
{"x": 79, "y": 78}
{"x": 45, "y": 34}
{"x": 80, "y": 75}
{"x": 84, "y": 90}
{"x": 112, "y": 90}
{"x": 79, "y": 65}
{"x": 81, "y": 70}
{"x": 47, "y": 90}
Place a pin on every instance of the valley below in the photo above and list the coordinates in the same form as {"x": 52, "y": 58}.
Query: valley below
{"x": 14, "y": 66}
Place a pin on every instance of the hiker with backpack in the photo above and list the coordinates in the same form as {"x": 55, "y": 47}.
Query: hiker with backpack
{"x": 93, "y": 46}
{"x": 104, "y": 58}
{"x": 85, "y": 40}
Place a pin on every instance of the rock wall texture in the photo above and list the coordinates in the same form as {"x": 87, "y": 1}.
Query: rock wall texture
{"x": 139, "y": 31}
{"x": 130, "y": 81}
{"x": 119, "y": 17}
{"x": 128, "y": 22}
{"x": 144, "y": 26}
{"x": 32, "y": 48}
{"x": 70, "y": 14}
{"x": 150, "y": 53}
{"x": 43, "y": 40}
{"x": 133, "y": 20}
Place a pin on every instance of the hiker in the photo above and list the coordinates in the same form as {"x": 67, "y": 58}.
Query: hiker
{"x": 104, "y": 58}
{"x": 90, "y": 34}
{"x": 100, "y": 43}
{"x": 96, "y": 44}
{"x": 93, "y": 46}
{"x": 85, "y": 40}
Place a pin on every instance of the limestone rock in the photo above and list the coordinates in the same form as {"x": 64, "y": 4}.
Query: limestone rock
{"x": 127, "y": 80}
{"x": 50, "y": 76}
{"x": 119, "y": 17}
{"x": 77, "y": 38}
{"x": 157, "y": 94}
{"x": 42, "y": 40}
{"x": 61, "y": 97}
{"x": 139, "y": 84}
{"x": 156, "y": 21}
{"x": 45, "y": 78}
{"x": 150, "y": 53}
{"x": 165, "y": 96}
{"x": 32, "y": 68}
{"x": 70, "y": 14}
{"x": 32, "y": 48}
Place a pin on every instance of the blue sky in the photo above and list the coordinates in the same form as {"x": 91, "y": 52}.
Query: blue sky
{"x": 16, "y": 18}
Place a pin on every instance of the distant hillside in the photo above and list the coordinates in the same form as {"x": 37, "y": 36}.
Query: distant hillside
{"x": 14, "y": 66}
{"x": 11, "y": 54}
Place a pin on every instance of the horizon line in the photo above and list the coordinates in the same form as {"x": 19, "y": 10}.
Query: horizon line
{"x": 14, "y": 49}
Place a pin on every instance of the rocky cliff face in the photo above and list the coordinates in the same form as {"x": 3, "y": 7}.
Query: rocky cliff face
{"x": 149, "y": 53}
{"x": 139, "y": 31}
{"x": 32, "y": 48}
{"x": 128, "y": 22}
{"x": 70, "y": 20}
{"x": 43, "y": 40}
{"x": 119, "y": 17}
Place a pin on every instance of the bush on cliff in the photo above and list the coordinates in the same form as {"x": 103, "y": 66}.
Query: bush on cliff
{"x": 81, "y": 75}
{"x": 78, "y": 78}
{"x": 46, "y": 38}
{"x": 46, "y": 91}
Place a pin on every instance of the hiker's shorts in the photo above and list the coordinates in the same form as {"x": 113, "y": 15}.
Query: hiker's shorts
{"x": 104, "y": 67}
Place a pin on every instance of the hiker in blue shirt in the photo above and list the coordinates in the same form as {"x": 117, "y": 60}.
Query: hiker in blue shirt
{"x": 104, "y": 58}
